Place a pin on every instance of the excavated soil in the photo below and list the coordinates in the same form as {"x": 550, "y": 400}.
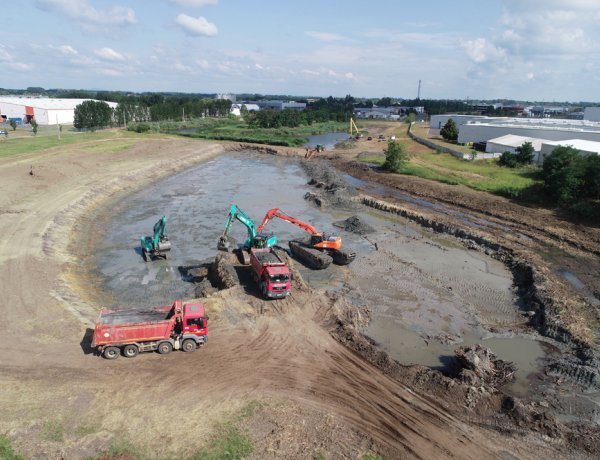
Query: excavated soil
{"x": 318, "y": 385}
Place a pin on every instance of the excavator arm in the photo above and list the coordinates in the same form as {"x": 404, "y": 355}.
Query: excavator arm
{"x": 318, "y": 239}
{"x": 160, "y": 231}
{"x": 254, "y": 239}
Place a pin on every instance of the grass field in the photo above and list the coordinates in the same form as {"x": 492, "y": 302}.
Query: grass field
{"x": 236, "y": 130}
{"x": 483, "y": 175}
{"x": 107, "y": 141}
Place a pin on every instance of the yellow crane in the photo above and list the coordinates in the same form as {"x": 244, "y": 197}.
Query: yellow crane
{"x": 353, "y": 128}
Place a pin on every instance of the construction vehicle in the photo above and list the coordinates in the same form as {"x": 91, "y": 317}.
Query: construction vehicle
{"x": 157, "y": 245}
{"x": 312, "y": 152}
{"x": 180, "y": 326}
{"x": 354, "y": 128}
{"x": 320, "y": 250}
{"x": 255, "y": 239}
{"x": 271, "y": 273}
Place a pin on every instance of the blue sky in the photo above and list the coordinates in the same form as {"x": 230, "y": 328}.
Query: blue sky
{"x": 520, "y": 49}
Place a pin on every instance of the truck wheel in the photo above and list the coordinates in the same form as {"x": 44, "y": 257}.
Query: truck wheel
{"x": 165, "y": 348}
{"x": 188, "y": 345}
{"x": 130, "y": 351}
{"x": 111, "y": 353}
{"x": 263, "y": 291}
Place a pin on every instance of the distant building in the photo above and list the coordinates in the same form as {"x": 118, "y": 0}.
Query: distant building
{"x": 236, "y": 109}
{"x": 281, "y": 105}
{"x": 592, "y": 114}
{"x": 45, "y": 110}
{"x": 227, "y": 96}
{"x": 584, "y": 147}
{"x": 510, "y": 142}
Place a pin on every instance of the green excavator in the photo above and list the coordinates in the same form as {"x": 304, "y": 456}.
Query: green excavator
{"x": 157, "y": 245}
{"x": 254, "y": 239}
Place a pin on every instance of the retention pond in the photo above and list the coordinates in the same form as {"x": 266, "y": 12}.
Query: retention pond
{"x": 427, "y": 293}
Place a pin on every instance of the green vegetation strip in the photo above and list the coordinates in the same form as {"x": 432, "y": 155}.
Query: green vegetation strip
{"x": 484, "y": 175}
{"x": 235, "y": 130}
{"x": 6, "y": 450}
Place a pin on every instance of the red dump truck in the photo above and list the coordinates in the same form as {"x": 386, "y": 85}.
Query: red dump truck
{"x": 181, "y": 326}
{"x": 271, "y": 273}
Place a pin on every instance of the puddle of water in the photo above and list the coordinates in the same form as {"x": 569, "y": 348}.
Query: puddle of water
{"x": 328, "y": 140}
{"x": 409, "y": 347}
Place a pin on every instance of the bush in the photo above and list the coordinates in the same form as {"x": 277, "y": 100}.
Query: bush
{"x": 508, "y": 159}
{"x": 142, "y": 128}
{"x": 394, "y": 157}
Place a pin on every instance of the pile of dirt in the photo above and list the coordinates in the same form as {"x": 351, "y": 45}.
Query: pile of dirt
{"x": 333, "y": 189}
{"x": 355, "y": 225}
{"x": 221, "y": 272}
{"x": 477, "y": 365}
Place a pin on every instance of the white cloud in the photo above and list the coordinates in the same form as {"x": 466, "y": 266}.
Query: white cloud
{"x": 196, "y": 26}
{"x": 9, "y": 60}
{"x": 20, "y": 66}
{"x": 109, "y": 54}
{"x": 325, "y": 36}
{"x": 65, "y": 50}
{"x": 480, "y": 50}
{"x": 195, "y": 3}
{"x": 84, "y": 13}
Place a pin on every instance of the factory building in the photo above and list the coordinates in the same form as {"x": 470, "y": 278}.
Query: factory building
{"x": 510, "y": 142}
{"x": 551, "y": 129}
{"x": 592, "y": 114}
{"x": 584, "y": 147}
{"x": 45, "y": 111}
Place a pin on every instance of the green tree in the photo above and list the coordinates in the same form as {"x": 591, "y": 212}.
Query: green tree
{"x": 13, "y": 124}
{"x": 92, "y": 115}
{"x": 34, "y": 126}
{"x": 525, "y": 153}
{"x": 508, "y": 159}
{"x": 411, "y": 117}
{"x": 450, "y": 131}
{"x": 394, "y": 157}
{"x": 563, "y": 172}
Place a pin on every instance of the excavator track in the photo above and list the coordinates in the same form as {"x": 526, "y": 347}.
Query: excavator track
{"x": 341, "y": 257}
{"x": 313, "y": 258}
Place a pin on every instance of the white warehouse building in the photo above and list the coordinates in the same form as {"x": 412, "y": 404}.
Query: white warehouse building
{"x": 45, "y": 111}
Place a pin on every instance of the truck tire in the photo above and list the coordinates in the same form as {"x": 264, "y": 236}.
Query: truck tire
{"x": 111, "y": 353}
{"x": 130, "y": 351}
{"x": 188, "y": 345}
{"x": 263, "y": 291}
{"x": 165, "y": 348}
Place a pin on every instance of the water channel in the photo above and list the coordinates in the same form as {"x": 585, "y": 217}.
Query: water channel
{"x": 419, "y": 286}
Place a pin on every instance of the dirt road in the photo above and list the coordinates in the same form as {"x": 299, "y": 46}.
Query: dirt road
{"x": 60, "y": 401}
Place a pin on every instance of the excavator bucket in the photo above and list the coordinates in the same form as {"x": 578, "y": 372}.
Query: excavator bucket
{"x": 226, "y": 243}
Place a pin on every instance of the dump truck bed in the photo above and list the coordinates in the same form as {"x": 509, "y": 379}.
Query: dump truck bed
{"x": 118, "y": 327}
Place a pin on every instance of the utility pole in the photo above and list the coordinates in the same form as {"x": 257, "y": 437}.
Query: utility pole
{"x": 419, "y": 92}
{"x": 183, "y": 114}
{"x": 58, "y": 127}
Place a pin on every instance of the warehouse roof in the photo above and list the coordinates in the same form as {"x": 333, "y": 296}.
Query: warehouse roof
{"x": 46, "y": 102}
{"x": 579, "y": 144}
{"x": 512, "y": 140}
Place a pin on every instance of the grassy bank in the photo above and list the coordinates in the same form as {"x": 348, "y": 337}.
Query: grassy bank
{"x": 100, "y": 141}
{"x": 484, "y": 175}
{"x": 236, "y": 130}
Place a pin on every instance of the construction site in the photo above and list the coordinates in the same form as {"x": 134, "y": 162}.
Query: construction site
{"x": 353, "y": 313}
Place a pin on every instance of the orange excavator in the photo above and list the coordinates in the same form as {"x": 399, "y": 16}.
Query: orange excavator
{"x": 319, "y": 251}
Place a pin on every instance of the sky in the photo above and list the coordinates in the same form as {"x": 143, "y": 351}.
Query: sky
{"x": 535, "y": 50}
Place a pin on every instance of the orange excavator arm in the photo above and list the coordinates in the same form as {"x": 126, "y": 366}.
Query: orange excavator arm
{"x": 276, "y": 213}
{"x": 321, "y": 242}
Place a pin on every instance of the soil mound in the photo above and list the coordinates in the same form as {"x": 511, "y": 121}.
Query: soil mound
{"x": 477, "y": 364}
{"x": 355, "y": 225}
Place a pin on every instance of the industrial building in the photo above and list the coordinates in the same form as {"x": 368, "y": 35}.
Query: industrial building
{"x": 281, "y": 105}
{"x": 481, "y": 129}
{"x": 584, "y": 147}
{"x": 510, "y": 143}
{"x": 592, "y": 114}
{"x": 45, "y": 111}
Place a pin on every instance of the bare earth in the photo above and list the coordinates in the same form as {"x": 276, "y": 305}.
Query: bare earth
{"x": 314, "y": 394}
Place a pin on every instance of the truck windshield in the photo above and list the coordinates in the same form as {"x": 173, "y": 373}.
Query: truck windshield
{"x": 279, "y": 278}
